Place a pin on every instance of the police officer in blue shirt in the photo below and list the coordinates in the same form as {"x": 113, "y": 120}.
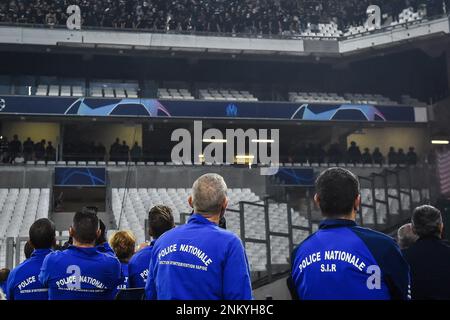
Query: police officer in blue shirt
{"x": 81, "y": 272}
{"x": 200, "y": 260}
{"x": 343, "y": 261}
{"x": 160, "y": 220}
{"x": 23, "y": 281}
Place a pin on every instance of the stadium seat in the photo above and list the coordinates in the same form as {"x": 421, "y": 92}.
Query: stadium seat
{"x": 137, "y": 202}
{"x": 19, "y": 208}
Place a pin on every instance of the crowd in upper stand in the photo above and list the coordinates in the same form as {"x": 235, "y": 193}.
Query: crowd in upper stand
{"x": 313, "y": 153}
{"x": 279, "y": 17}
{"x": 15, "y": 151}
{"x": 118, "y": 151}
{"x": 18, "y": 152}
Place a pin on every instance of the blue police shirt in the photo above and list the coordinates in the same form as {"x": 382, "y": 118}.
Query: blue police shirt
{"x": 124, "y": 270}
{"x": 23, "y": 281}
{"x": 343, "y": 261}
{"x": 198, "y": 261}
{"x": 81, "y": 274}
{"x": 106, "y": 248}
{"x": 138, "y": 267}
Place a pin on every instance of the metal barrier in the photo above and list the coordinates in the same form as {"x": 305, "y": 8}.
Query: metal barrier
{"x": 14, "y": 249}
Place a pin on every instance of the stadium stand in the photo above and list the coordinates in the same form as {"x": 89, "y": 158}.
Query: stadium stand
{"x": 48, "y": 86}
{"x": 408, "y": 100}
{"x": 316, "y": 97}
{"x": 137, "y": 203}
{"x": 393, "y": 203}
{"x": 321, "y": 18}
{"x": 369, "y": 99}
{"x": 19, "y": 208}
{"x": 105, "y": 89}
{"x": 226, "y": 95}
{"x": 175, "y": 94}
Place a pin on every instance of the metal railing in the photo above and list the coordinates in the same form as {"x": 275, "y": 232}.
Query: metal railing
{"x": 14, "y": 249}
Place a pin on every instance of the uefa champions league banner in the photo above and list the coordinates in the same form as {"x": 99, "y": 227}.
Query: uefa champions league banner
{"x": 94, "y": 107}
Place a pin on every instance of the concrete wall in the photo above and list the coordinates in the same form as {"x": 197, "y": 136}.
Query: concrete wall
{"x": 180, "y": 177}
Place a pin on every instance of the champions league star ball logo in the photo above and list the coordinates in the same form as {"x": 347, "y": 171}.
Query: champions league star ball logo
{"x": 2, "y": 104}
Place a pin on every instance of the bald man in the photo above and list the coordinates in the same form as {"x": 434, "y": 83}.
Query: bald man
{"x": 200, "y": 260}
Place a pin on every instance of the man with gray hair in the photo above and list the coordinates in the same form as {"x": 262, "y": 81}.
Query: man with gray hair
{"x": 429, "y": 257}
{"x": 406, "y": 236}
{"x": 200, "y": 260}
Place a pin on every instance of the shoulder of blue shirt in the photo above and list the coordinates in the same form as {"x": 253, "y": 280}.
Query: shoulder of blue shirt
{"x": 227, "y": 235}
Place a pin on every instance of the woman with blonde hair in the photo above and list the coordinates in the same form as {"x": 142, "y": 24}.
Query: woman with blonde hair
{"x": 123, "y": 244}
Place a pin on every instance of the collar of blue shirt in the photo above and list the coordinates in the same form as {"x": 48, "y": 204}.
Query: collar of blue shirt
{"x": 336, "y": 223}
{"x": 91, "y": 251}
{"x": 198, "y": 218}
{"x": 40, "y": 252}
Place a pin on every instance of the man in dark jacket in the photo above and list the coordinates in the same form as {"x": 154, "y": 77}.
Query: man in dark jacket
{"x": 429, "y": 257}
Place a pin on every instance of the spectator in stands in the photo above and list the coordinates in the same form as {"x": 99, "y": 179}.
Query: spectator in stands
{"x": 301, "y": 157}
{"x": 28, "y": 249}
{"x": 114, "y": 151}
{"x": 367, "y": 157}
{"x": 123, "y": 244}
{"x": 28, "y": 147}
{"x": 411, "y": 157}
{"x": 401, "y": 157}
{"x": 4, "y": 273}
{"x": 392, "y": 156}
{"x": 4, "y": 147}
{"x": 377, "y": 157}
{"x": 39, "y": 150}
{"x": 100, "y": 152}
{"x": 311, "y": 153}
{"x": 124, "y": 151}
{"x": 221, "y": 270}
{"x": 15, "y": 147}
{"x": 429, "y": 256}
{"x": 353, "y": 153}
{"x": 23, "y": 283}
{"x": 406, "y": 236}
{"x": 50, "y": 152}
{"x": 320, "y": 154}
{"x": 136, "y": 153}
{"x": 334, "y": 153}
{"x": 341, "y": 252}
{"x": 102, "y": 271}
{"x": 284, "y": 17}
{"x": 160, "y": 220}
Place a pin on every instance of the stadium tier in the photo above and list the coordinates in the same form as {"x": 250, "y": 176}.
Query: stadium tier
{"x": 314, "y": 131}
{"x": 137, "y": 203}
{"x": 321, "y": 18}
{"x": 109, "y": 89}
